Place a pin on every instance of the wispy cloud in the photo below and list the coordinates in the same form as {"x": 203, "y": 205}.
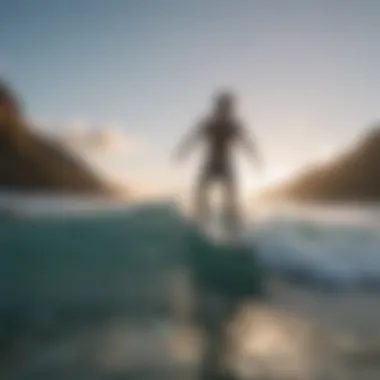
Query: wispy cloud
{"x": 107, "y": 140}
{"x": 123, "y": 159}
{"x": 119, "y": 157}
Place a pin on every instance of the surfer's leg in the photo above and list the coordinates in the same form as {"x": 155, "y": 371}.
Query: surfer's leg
{"x": 201, "y": 196}
{"x": 231, "y": 203}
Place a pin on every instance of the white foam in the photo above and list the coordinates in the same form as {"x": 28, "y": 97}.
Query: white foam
{"x": 336, "y": 244}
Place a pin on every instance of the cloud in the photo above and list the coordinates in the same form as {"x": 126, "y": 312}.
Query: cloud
{"x": 108, "y": 140}
{"x": 119, "y": 157}
{"x": 83, "y": 138}
{"x": 110, "y": 150}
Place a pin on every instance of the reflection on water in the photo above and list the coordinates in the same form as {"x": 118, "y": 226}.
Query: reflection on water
{"x": 263, "y": 340}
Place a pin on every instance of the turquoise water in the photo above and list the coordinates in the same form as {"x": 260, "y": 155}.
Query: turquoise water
{"x": 70, "y": 258}
{"x": 62, "y": 275}
{"x": 82, "y": 290}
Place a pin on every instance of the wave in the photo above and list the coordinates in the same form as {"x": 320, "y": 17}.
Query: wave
{"x": 327, "y": 251}
{"x": 78, "y": 293}
{"x": 326, "y": 247}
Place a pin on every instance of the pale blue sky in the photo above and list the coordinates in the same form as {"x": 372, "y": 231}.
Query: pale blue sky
{"x": 306, "y": 72}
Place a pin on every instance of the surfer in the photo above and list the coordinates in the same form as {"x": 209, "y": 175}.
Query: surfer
{"x": 220, "y": 131}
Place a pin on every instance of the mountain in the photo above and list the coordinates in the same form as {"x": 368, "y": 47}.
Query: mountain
{"x": 29, "y": 162}
{"x": 353, "y": 176}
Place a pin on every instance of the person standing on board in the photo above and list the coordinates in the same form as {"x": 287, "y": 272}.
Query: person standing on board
{"x": 220, "y": 130}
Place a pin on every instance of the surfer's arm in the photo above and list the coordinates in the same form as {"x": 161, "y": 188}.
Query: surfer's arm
{"x": 189, "y": 141}
{"x": 250, "y": 145}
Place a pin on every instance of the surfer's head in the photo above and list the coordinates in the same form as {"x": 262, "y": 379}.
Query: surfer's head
{"x": 224, "y": 103}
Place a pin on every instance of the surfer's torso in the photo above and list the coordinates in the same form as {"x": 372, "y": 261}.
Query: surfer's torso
{"x": 220, "y": 134}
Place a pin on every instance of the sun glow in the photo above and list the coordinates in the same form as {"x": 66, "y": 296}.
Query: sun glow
{"x": 260, "y": 180}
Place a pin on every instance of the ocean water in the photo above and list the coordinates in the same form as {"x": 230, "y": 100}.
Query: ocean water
{"x": 94, "y": 290}
{"x": 75, "y": 279}
{"x": 331, "y": 245}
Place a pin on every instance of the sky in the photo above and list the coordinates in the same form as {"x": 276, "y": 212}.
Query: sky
{"x": 141, "y": 72}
